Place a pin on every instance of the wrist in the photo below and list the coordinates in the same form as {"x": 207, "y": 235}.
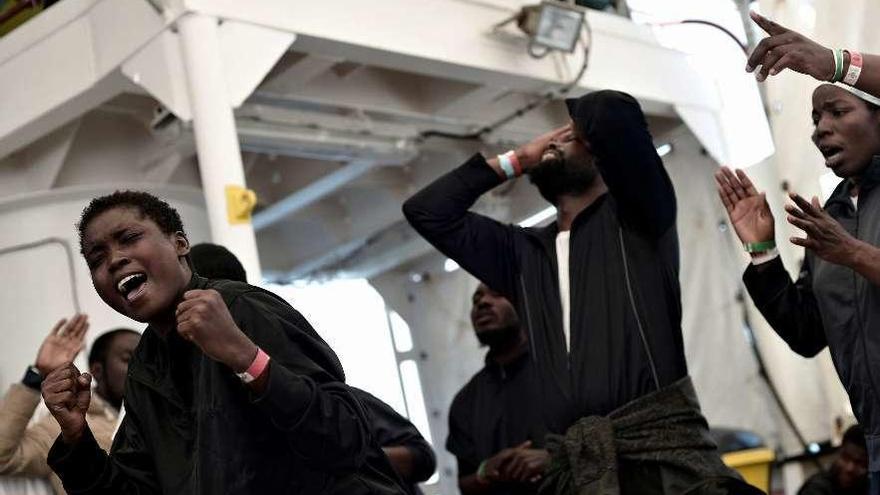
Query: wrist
{"x": 525, "y": 160}
{"x": 759, "y": 247}
{"x": 33, "y": 378}
{"x": 70, "y": 438}
{"x": 481, "y": 475}
{"x": 243, "y": 358}
{"x": 860, "y": 254}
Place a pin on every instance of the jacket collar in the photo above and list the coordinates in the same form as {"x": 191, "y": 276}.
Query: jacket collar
{"x": 870, "y": 179}
{"x": 502, "y": 371}
{"x": 547, "y": 235}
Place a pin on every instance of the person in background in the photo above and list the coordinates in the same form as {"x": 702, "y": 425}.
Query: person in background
{"x": 849, "y": 471}
{"x": 23, "y": 449}
{"x": 835, "y": 300}
{"x": 410, "y": 454}
{"x": 492, "y": 431}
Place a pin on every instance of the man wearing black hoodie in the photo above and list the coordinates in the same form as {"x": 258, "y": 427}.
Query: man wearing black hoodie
{"x": 599, "y": 294}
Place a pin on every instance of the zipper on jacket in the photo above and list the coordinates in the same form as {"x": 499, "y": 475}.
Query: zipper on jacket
{"x": 632, "y": 302}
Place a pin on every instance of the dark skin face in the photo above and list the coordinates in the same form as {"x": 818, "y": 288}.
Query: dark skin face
{"x": 121, "y": 242}
{"x": 110, "y": 375}
{"x": 851, "y": 466}
{"x": 567, "y": 167}
{"x": 847, "y": 131}
{"x": 491, "y": 313}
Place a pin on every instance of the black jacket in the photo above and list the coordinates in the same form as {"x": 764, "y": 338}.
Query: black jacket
{"x": 625, "y": 295}
{"x": 493, "y": 411}
{"x": 832, "y": 305}
{"x": 192, "y": 427}
{"x": 390, "y": 429}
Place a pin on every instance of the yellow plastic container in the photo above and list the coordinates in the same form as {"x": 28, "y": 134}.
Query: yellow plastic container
{"x": 753, "y": 465}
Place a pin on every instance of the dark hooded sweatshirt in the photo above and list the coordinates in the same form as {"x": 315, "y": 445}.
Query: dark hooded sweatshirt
{"x": 832, "y": 305}
{"x": 625, "y": 297}
{"x": 192, "y": 427}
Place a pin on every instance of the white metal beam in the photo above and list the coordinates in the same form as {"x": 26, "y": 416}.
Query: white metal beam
{"x": 216, "y": 138}
{"x": 84, "y": 41}
{"x": 297, "y": 75}
{"x": 625, "y": 56}
{"x": 311, "y": 193}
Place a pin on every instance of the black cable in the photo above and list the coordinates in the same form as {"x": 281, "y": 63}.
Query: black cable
{"x": 723, "y": 29}
{"x": 519, "y": 112}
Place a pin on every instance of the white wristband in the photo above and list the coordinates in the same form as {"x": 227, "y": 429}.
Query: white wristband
{"x": 855, "y": 68}
{"x": 506, "y": 166}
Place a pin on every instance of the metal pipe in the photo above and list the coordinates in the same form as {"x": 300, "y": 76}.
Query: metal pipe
{"x": 311, "y": 193}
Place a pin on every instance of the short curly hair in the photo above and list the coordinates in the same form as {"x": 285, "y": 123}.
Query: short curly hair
{"x": 157, "y": 210}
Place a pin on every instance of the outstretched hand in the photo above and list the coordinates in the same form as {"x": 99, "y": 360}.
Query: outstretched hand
{"x": 64, "y": 342}
{"x": 787, "y": 49}
{"x": 825, "y": 236}
{"x": 747, "y": 209}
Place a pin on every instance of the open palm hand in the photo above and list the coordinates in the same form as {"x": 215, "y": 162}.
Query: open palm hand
{"x": 747, "y": 209}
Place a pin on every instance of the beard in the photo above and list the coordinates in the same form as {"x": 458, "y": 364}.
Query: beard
{"x": 558, "y": 176}
{"x": 498, "y": 336}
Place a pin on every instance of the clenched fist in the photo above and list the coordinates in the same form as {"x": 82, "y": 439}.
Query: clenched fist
{"x": 204, "y": 320}
{"x": 67, "y": 394}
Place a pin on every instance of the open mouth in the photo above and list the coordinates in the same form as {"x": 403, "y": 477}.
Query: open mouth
{"x": 551, "y": 154}
{"x": 132, "y": 286}
{"x": 832, "y": 154}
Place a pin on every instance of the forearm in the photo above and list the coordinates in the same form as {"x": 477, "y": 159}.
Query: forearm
{"x": 313, "y": 415}
{"x": 789, "y": 308}
{"x": 22, "y": 452}
{"x": 402, "y": 460}
{"x": 629, "y": 163}
{"x": 483, "y": 247}
{"x": 80, "y": 465}
{"x": 866, "y": 261}
{"x": 869, "y": 80}
{"x": 435, "y": 209}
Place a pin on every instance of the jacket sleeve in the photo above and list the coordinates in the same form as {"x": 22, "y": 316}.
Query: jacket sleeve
{"x": 23, "y": 450}
{"x": 85, "y": 468}
{"x": 628, "y": 161}
{"x": 460, "y": 442}
{"x": 305, "y": 397}
{"x": 390, "y": 429}
{"x": 789, "y": 307}
{"x": 482, "y": 246}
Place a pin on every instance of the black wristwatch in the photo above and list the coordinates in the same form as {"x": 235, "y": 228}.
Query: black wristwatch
{"x": 32, "y": 378}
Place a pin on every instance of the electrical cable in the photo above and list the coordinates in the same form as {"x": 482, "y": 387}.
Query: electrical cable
{"x": 719, "y": 27}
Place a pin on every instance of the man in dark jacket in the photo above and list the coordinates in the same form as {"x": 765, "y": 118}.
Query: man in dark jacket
{"x": 493, "y": 433}
{"x": 230, "y": 390}
{"x": 598, "y": 289}
{"x": 407, "y": 450}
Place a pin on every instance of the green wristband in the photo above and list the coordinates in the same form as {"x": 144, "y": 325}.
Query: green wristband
{"x": 481, "y": 473}
{"x": 759, "y": 247}
{"x": 838, "y": 65}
